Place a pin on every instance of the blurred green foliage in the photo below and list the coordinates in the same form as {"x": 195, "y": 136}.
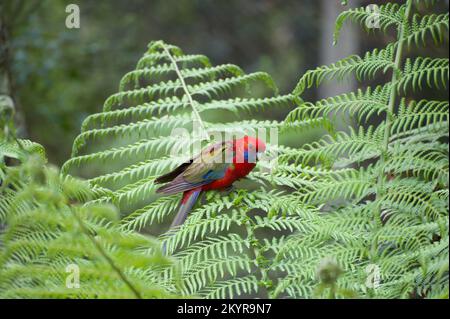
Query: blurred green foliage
{"x": 86, "y": 64}
{"x": 62, "y": 75}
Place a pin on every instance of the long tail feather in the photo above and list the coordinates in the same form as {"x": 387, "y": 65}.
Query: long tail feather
{"x": 187, "y": 202}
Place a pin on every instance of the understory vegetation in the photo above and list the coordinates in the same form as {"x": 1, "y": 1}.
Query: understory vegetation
{"x": 360, "y": 213}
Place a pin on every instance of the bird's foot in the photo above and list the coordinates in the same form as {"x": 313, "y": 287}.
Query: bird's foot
{"x": 228, "y": 189}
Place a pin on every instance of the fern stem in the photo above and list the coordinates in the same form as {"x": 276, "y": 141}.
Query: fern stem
{"x": 187, "y": 93}
{"x": 256, "y": 246}
{"x": 105, "y": 255}
{"x": 396, "y": 75}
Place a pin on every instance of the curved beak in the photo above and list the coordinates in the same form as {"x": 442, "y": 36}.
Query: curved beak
{"x": 258, "y": 155}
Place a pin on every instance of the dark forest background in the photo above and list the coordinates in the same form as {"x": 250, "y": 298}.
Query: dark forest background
{"x": 57, "y": 76}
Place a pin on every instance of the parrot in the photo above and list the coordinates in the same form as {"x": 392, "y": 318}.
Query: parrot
{"x": 217, "y": 167}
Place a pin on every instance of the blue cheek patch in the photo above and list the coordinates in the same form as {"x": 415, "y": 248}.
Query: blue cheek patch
{"x": 248, "y": 159}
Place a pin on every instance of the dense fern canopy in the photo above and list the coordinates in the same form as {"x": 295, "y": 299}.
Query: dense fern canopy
{"x": 53, "y": 247}
{"x": 217, "y": 246}
{"x": 384, "y": 188}
{"x": 361, "y": 212}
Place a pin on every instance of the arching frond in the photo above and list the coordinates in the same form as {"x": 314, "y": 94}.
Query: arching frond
{"x": 363, "y": 67}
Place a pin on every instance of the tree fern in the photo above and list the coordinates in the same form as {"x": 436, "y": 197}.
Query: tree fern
{"x": 397, "y": 186}
{"x": 49, "y": 235}
{"x": 345, "y": 196}
{"x": 217, "y": 248}
{"x": 368, "y": 201}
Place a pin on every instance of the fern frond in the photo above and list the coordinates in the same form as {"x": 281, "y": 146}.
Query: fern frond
{"x": 388, "y": 15}
{"x": 424, "y": 71}
{"x": 362, "y": 104}
{"x": 421, "y": 27}
{"x": 363, "y": 68}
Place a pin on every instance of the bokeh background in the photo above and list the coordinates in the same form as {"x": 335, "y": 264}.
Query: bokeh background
{"x": 57, "y": 76}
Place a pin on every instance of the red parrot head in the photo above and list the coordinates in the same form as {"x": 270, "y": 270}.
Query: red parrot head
{"x": 248, "y": 148}
{"x": 253, "y": 143}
